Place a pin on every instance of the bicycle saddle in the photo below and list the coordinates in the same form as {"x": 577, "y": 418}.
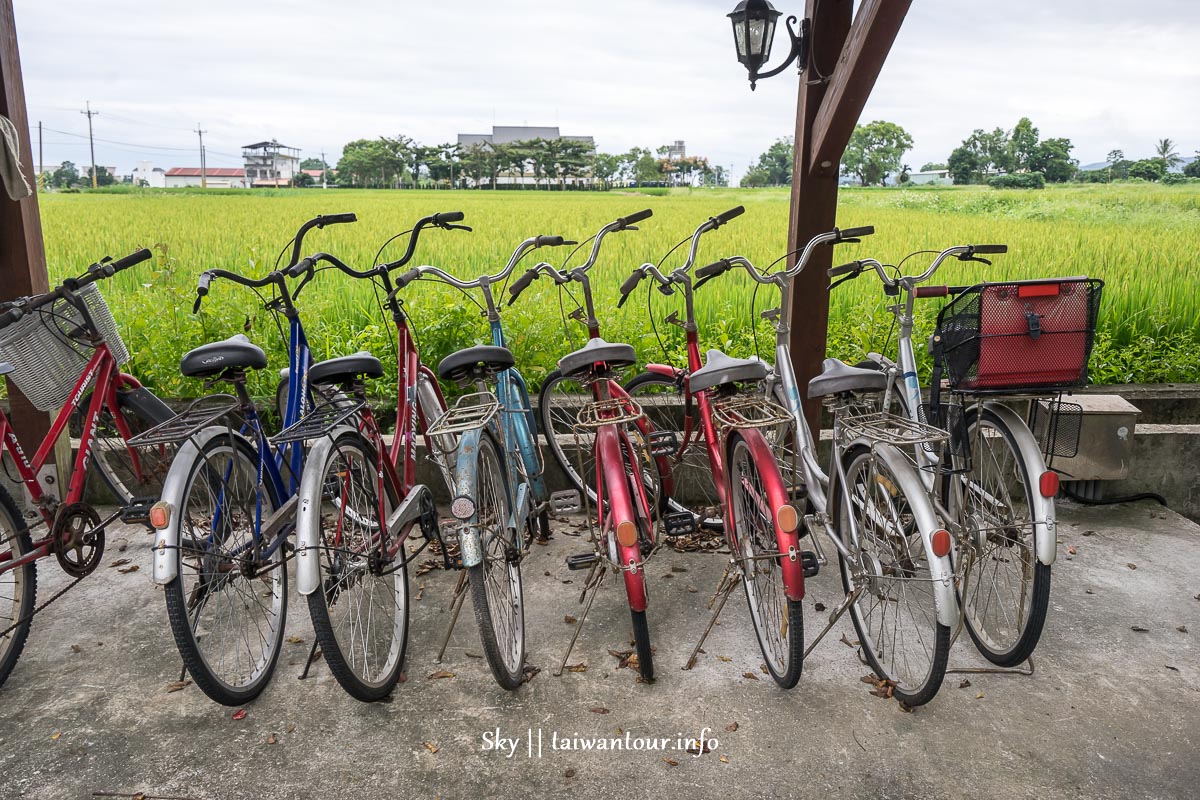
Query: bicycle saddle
{"x": 836, "y": 377}
{"x": 582, "y": 360}
{"x": 345, "y": 369}
{"x": 236, "y": 352}
{"x": 720, "y": 369}
{"x": 457, "y": 366}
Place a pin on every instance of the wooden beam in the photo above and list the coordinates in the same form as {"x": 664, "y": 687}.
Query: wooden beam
{"x": 865, "y": 49}
{"x": 22, "y": 256}
{"x": 814, "y": 199}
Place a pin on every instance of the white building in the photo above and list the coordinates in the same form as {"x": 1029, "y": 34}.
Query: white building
{"x": 154, "y": 177}
{"x": 213, "y": 177}
{"x": 507, "y": 134}
{"x": 270, "y": 164}
{"x": 933, "y": 176}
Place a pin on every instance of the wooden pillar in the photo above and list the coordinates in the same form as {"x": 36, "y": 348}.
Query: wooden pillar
{"x": 22, "y": 256}
{"x": 814, "y": 198}
{"x": 844, "y": 60}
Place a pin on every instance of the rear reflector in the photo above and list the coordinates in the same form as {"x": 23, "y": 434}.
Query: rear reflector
{"x": 1048, "y": 483}
{"x": 160, "y": 514}
{"x": 941, "y": 543}
{"x": 787, "y": 518}
{"x": 627, "y": 534}
{"x": 462, "y": 507}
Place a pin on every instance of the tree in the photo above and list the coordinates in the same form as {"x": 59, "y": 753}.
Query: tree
{"x": 874, "y": 150}
{"x": 1118, "y": 167}
{"x": 605, "y": 168}
{"x": 371, "y": 162}
{"x": 103, "y": 178}
{"x": 303, "y": 180}
{"x": 1165, "y": 151}
{"x": 1053, "y": 159}
{"x": 930, "y": 166}
{"x": 1148, "y": 169}
{"x": 965, "y": 164}
{"x": 903, "y": 176}
{"x": 641, "y": 166}
{"x": 1192, "y": 170}
{"x": 65, "y": 176}
{"x": 774, "y": 167}
{"x": 998, "y": 149}
{"x": 1023, "y": 143}
{"x": 313, "y": 163}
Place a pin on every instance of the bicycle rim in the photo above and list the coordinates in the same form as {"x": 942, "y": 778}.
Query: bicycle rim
{"x": 18, "y": 587}
{"x": 559, "y": 403}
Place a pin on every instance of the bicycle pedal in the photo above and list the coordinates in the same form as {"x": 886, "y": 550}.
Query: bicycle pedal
{"x": 138, "y": 511}
{"x": 808, "y": 562}
{"x": 663, "y": 443}
{"x": 582, "y": 560}
{"x": 679, "y": 523}
{"x": 565, "y": 502}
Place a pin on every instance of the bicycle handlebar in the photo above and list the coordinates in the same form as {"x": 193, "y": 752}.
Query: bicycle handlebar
{"x": 104, "y": 268}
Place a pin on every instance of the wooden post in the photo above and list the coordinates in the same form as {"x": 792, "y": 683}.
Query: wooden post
{"x": 22, "y": 257}
{"x": 845, "y": 57}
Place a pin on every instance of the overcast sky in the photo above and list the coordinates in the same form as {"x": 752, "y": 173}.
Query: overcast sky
{"x": 628, "y": 72}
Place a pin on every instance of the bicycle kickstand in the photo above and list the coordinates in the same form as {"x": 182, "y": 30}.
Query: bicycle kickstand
{"x": 456, "y": 604}
{"x": 728, "y": 583}
{"x": 312, "y": 657}
{"x": 590, "y": 586}
{"x": 834, "y": 616}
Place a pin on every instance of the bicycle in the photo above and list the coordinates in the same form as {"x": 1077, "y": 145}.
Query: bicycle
{"x": 223, "y": 524}
{"x": 759, "y": 523}
{"x": 871, "y": 504}
{"x": 498, "y": 487}
{"x": 995, "y": 343}
{"x": 359, "y": 500}
{"x": 616, "y": 432}
{"x": 56, "y": 347}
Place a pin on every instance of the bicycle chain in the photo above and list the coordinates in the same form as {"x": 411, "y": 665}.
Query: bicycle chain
{"x": 37, "y": 610}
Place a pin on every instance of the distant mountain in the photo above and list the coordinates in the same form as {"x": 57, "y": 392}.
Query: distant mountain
{"x": 1104, "y": 164}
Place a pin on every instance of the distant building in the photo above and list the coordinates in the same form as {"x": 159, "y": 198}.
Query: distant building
{"x": 154, "y": 177}
{"x": 507, "y": 134}
{"x": 214, "y": 177}
{"x": 270, "y": 164}
{"x": 933, "y": 176}
{"x": 677, "y": 150}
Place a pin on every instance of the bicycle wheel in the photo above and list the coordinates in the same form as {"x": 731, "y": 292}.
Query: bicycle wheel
{"x": 895, "y": 615}
{"x": 496, "y": 591}
{"x": 778, "y": 621}
{"x": 361, "y": 613}
{"x": 228, "y": 603}
{"x": 559, "y": 403}
{"x": 641, "y": 643}
{"x": 1005, "y": 590}
{"x": 113, "y": 459}
{"x": 667, "y": 407}
{"x": 18, "y": 587}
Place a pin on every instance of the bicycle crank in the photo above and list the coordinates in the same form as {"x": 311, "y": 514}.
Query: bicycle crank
{"x": 78, "y": 537}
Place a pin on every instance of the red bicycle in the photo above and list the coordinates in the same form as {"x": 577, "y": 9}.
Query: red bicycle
{"x": 63, "y": 351}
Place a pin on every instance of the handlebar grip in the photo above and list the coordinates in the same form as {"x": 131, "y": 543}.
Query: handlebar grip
{"x": 712, "y": 270}
{"x": 522, "y": 284}
{"x": 724, "y": 217}
{"x": 549, "y": 241}
{"x": 300, "y": 267}
{"x": 846, "y": 269}
{"x": 635, "y": 218}
{"x": 989, "y": 248}
{"x": 336, "y": 219}
{"x": 931, "y": 291}
{"x": 201, "y": 290}
{"x": 854, "y": 233}
{"x": 10, "y": 316}
{"x": 135, "y": 257}
{"x": 629, "y": 285}
{"x": 408, "y": 277}
{"x": 449, "y": 216}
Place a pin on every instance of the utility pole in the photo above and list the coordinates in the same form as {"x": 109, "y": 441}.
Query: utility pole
{"x": 91, "y": 142}
{"x": 324, "y": 171}
{"x": 41, "y": 165}
{"x": 203, "y": 170}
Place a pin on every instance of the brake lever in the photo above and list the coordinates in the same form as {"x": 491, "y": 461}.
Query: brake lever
{"x": 452, "y": 227}
{"x": 965, "y": 257}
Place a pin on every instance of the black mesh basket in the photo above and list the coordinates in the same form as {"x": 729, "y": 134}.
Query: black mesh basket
{"x": 1019, "y": 336}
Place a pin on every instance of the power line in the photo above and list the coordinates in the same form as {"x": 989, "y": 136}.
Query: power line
{"x": 203, "y": 171}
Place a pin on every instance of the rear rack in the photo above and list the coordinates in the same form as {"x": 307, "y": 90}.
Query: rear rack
{"x": 198, "y": 415}
{"x": 616, "y": 411}
{"x": 320, "y": 421}
{"x": 881, "y": 426}
{"x": 749, "y": 411}
{"x": 470, "y": 412}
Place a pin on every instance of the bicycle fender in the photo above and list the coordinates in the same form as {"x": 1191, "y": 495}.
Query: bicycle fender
{"x": 664, "y": 369}
{"x": 620, "y": 513}
{"x": 1045, "y": 527}
{"x": 466, "y": 484}
{"x": 788, "y": 543}
{"x": 308, "y": 514}
{"x": 166, "y": 540}
{"x": 918, "y": 499}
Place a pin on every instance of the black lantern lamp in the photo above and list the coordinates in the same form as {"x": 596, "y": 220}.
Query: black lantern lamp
{"x": 754, "y": 29}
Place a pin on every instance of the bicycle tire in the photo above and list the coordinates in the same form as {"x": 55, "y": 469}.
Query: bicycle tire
{"x": 180, "y": 602}
{"x": 346, "y": 569}
{"x": 556, "y": 416}
{"x": 1032, "y": 606}
{"x": 111, "y": 457}
{"x": 18, "y": 587}
{"x": 762, "y": 578}
{"x": 891, "y": 561}
{"x": 641, "y": 643}
{"x": 503, "y": 639}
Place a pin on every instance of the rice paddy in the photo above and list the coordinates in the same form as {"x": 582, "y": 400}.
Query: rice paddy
{"x": 1141, "y": 239}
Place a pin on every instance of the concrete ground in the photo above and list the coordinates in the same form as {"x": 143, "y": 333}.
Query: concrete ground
{"x": 1111, "y": 712}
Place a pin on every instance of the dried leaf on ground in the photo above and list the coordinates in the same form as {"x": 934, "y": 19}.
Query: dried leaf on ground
{"x": 56, "y": 736}
{"x": 598, "y": 710}
{"x": 570, "y": 773}
{"x": 580, "y": 667}
{"x": 295, "y": 640}
{"x": 964, "y": 684}
{"x": 847, "y": 642}
{"x": 1173, "y": 669}
{"x": 723, "y": 759}
{"x": 441, "y": 673}
{"x": 979, "y": 696}
{"x": 731, "y": 727}
{"x": 1181, "y": 628}
{"x": 431, "y": 747}
{"x": 570, "y": 620}
{"x": 692, "y": 590}
{"x": 696, "y": 748}
{"x": 676, "y": 568}
{"x": 1072, "y": 550}
{"x": 129, "y": 569}
{"x": 1138, "y": 629}
{"x": 178, "y": 686}
{"x": 749, "y": 676}
{"x": 1131, "y": 565}
{"x": 120, "y": 562}
{"x": 272, "y": 739}
{"x": 469, "y": 654}
{"x": 905, "y": 707}
{"x": 530, "y": 672}
{"x": 670, "y": 762}
{"x": 239, "y": 715}
{"x": 724, "y": 658}
{"x": 819, "y": 607}
{"x": 76, "y": 648}
{"x": 1088, "y": 533}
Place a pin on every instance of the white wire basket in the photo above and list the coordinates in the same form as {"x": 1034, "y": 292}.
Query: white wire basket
{"x": 46, "y": 359}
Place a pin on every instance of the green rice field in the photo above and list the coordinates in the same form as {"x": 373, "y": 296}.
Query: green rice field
{"x": 1142, "y": 239}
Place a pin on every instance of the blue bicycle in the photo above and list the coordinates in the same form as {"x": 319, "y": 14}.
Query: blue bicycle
{"x": 500, "y": 499}
{"x": 228, "y": 503}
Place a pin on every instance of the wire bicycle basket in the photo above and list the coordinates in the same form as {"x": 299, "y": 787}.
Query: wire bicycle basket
{"x": 49, "y": 347}
{"x": 1020, "y": 335}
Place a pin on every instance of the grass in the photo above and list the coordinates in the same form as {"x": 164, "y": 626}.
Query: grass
{"x": 1139, "y": 238}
